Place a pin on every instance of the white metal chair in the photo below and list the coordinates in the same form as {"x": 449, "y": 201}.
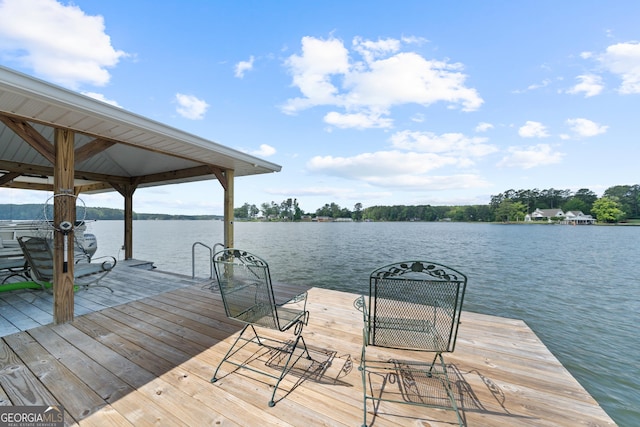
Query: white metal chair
{"x": 411, "y": 306}
{"x": 247, "y": 294}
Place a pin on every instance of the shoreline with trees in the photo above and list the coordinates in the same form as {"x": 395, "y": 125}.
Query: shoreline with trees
{"x": 619, "y": 204}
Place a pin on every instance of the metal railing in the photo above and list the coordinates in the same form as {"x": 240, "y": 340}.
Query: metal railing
{"x": 211, "y": 250}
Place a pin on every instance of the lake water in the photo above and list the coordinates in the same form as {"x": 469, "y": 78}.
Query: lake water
{"x": 578, "y": 288}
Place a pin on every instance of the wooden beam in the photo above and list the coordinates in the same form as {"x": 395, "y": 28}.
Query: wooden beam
{"x": 31, "y": 136}
{"x": 64, "y": 209}
{"x": 29, "y": 186}
{"x": 222, "y": 179}
{"x": 91, "y": 149}
{"x": 45, "y": 171}
{"x": 8, "y": 177}
{"x": 179, "y": 174}
{"x": 26, "y": 168}
{"x": 93, "y": 187}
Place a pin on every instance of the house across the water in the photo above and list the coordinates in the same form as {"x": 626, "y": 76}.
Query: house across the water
{"x": 557, "y": 215}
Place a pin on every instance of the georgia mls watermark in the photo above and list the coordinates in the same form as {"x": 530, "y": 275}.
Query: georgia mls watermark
{"x": 32, "y": 416}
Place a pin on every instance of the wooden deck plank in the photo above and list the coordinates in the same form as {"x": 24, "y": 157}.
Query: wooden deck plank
{"x": 78, "y": 399}
{"x": 145, "y": 352}
{"x": 26, "y": 309}
{"x": 107, "y": 416}
{"x": 108, "y": 386}
{"x": 146, "y": 405}
{"x": 125, "y": 343}
{"x": 150, "y": 361}
{"x": 19, "y": 383}
{"x": 173, "y": 323}
{"x": 18, "y": 319}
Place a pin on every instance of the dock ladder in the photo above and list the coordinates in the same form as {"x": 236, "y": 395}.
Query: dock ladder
{"x": 211, "y": 251}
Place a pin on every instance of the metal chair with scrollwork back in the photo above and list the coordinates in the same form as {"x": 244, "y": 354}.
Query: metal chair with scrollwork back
{"x": 247, "y": 293}
{"x": 412, "y": 306}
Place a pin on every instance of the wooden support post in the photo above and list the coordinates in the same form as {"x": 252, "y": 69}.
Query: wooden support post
{"x": 228, "y": 209}
{"x": 127, "y": 192}
{"x": 64, "y": 210}
{"x": 128, "y": 221}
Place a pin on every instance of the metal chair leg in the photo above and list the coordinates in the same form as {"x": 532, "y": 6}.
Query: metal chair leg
{"x": 230, "y": 352}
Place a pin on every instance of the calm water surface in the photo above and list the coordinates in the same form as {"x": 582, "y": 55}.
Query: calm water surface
{"x": 576, "y": 287}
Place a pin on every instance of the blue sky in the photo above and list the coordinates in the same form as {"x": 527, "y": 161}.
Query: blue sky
{"x": 372, "y": 102}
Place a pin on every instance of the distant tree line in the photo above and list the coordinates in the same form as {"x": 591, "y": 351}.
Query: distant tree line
{"x": 618, "y": 203}
{"x": 35, "y": 212}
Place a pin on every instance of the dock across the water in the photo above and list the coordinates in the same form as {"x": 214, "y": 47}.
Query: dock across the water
{"x": 145, "y": 354}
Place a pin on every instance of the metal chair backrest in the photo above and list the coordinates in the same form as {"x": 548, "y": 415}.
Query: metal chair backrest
{"x": 245, "y": 284}
{"x": 39, "y": 255}
{"x": 415, "y": 305}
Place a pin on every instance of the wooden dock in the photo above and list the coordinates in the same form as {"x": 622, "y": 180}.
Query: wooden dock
{"x": 144, "y": 356}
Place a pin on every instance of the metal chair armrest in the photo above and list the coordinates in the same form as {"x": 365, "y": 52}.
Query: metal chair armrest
{"x": 295, "y": 299}
{"x": 360, "y": 304}
{"x": 107, "y": 264}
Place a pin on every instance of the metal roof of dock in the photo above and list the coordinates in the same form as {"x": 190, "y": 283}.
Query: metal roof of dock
{"x": 112, "y": 145}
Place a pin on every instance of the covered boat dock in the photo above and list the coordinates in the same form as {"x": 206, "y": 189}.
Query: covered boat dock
{"x": 60, "y": 141}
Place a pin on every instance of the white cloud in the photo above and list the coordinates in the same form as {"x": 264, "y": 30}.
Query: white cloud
{"x": 533, "y": 130}
{"x": 264, "y": 151}
{"x": 411, "y": 161}
{"x": 369, "y": 166}
{"x": 431, "y": 182}
{"x": 418, "y": 118}
{"x": 623, "y": 59}
{"x": 406, "y": 170}
{"x": 60, "y": 43}
{"x": 530, "y": 157}
{"x": 535, "y": 86}
{"x": 409, "y": 78}
{"x": 312, "y": 191}
{"x": 586, "y": 128}
{"x": 454, "y": 143}
{"x": 312, "y": 72}
{"x": 371, "y": 50}
{"x": 244, "y": 66}
{"x": 483, "y": 127}
{"x": 327, "y": 74}
{"x": 101, "y": 97}
{"x": 589, "y": 84}
{"x": 362, "y": 120}
{"x": 191, "y": 107}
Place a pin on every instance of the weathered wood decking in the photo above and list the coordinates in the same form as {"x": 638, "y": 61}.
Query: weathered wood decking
{"x": 149, "y": 362}
{"x": 28, "y": 309}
